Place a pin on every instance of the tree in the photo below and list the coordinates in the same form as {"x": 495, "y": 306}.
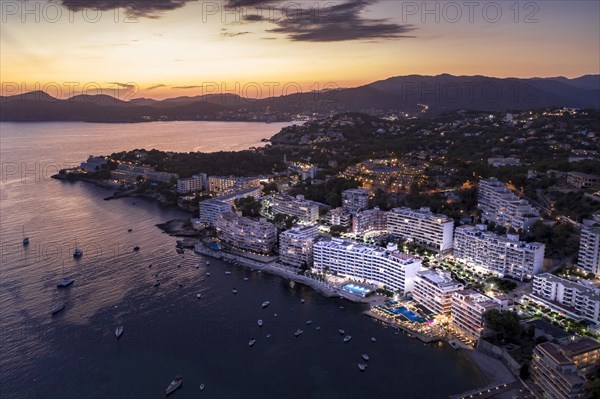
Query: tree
{"x": 336, "y": 230}
{"x": 269, "y": 188}
{"x": 248, "y": 206}
{"x": 524, "y": 372}
{"x": 503, "y": 322}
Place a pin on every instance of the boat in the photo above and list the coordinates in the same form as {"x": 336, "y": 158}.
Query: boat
{"x": 150, "y": 265}
{"x": 119, "y": 331}
{"x": 365, "y": 356}
{"x": 198, "y": 296}
{"x": 58, "y": 307}
{"x": 180, "y": 250}
{"x": 275, "y": 314}
{"x": 234, "y": 291}
{"x": 136, "y": 248}
{"x": 201, "y": 387}
{"x": 373, "y": 339}
{"x": 252, "y": 342}
{"x": 341, "y": 307}
{"x": 454, "y": 344}
{"x": 157, "y": 284}
{"x": 268, "y": 335}
{"x": 228, "y": 272}
{"x": 64, "y": 282}
{"x": 25, "y": 239}
{"x": 260, "y": 322}
{"x": 77, "y": 252}
{"x": 208, "y": 273}
{"x": 176, "y": 383}
{"x": 362, "y": 366}
{"x": 298, "y": 332}
{"x": 308, "y": 322}
{"x": 302, "y": 300}
{"x": 207, "y": 263}
{"x": 342, "y": 332}
{"x": 180, "y": 284}
{"x": 265, "y": 304}
{"x": 347, "y": 338}
{"x": 318, "y": 328}
{"x": 245, "y": 278}
{"x": 130, "y": 230}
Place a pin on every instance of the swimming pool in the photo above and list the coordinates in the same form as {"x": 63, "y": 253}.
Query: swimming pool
{"x": 408, "y": 314}
{"x": 355, "y": 289}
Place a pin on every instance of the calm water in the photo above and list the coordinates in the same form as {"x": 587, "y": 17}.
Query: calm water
{"x": 167, "y": 330}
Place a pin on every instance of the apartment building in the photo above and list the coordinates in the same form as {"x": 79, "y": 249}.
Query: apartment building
{"x": 506, "y": 256}
{"x": 582, "y": 180}
{"x": 500, "y": 205}
{"x": 559, "y": 369}
{"x": 468, "y": 307}
{"x": 94, "y": 164}
{"x": 306, "y": 211}
{"x": 227, "y": 184}
{"x": 355, "y": 200}
{"x": 577, "y": 300}
{"x": 195, "y": 183}
{"x": 210, "y": 209}
{"x": 339, "y": 217}
{"x": 230, "y": 198}
{"x": 131, "y": 173}
{"x": 371, "y": 220}
{"x": 381, "y": 266}
{"x": 434, "y": 289}
{"x": 296, "y": 246}
{"x": 422, "y": 227}
{"x": 242, "y": 233}
{"x": 589, "y": 246}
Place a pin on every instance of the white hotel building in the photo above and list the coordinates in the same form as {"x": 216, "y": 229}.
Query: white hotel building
{"x": 434, "y": 289}
{"x": 504, "y": 255}
{"x": 500, "y": 205}
{"x": 468, "y": 307}
{"x": 356, "y": 199}
{"x": 380, "y": 266}
{"x": 339, "y": 217}
{"x": 210, "y": 209}
{"x": 195, "y": 183}
{"x": 589, "y": 246}
{"x": 307, "y": 211}
{"x": 422, "y": 227}
{"x": 577, "y": 300}
{"x": 242, "y": 233}
{"x": 296, "y": 246}
{"x": 371, "y": 220}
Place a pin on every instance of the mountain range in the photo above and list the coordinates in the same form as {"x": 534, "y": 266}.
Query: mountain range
{"x": 413, "y": 94}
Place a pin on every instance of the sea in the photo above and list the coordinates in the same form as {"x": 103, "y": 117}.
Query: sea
{"x": 167, "y": 330}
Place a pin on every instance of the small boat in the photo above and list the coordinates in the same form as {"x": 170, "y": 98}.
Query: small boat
{"x": 252, "y": 342}
{"x": 365, "y": 356}
{"x": 207, "y": 263}
{"x": 342, "y": 332}
{"x": 308, "y": 322}
{"x": 347, "y": 338}
{"x": 454, "y": 344}
{"x": 77, "y": 252}
{"x": 298, "y": 332}
{"x": 176, "y": 383}
{"x": 180, "y": 284}
{"x": 25, "y": 241}
{"x": 245, "y": 278}
{"x": 65, "y": 282}
{"x": 341, "y": 307}
{"x": 318, "y": 328}
{"x": 234, "y": 291}
{"x": 265, "y": 304}
{"x": 136, "y": 248}
{"x": 198, "y": 296}
{"x": 275, "y": 314}
{"x": 260, "y": 322}
{"x": 373, "y": 339}
{"x": 228, "y": 272}
{"x": 362, "y": 366}
{"x": 268, "y": 335}
{"x": 130, "y": 230}
{"x": 119, "y": 331}
{"x": 150, "y": 265}
{"x": 302, "y": 300}
{"x": 179, "y": 265}
{"x": 201, "y": 387}
{"x": 57, "y": 308}
{"x": 208, "y": 273}
{"x": 157, "y": 284}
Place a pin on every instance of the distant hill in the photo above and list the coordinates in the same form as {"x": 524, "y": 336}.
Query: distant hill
{"x": 412, "y": 94}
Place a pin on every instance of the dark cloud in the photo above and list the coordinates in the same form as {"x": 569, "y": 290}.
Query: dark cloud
{"x": 137, "y": 8}
{"x": 186, "y": 87}
{"x": 155, "y": 86}
{"x": 126, "y": 86}
{"x": 333, "y": 22}
{"x": 234, "y": 34}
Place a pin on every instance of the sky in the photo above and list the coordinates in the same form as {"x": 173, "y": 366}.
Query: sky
{"x": 258, "y": 48}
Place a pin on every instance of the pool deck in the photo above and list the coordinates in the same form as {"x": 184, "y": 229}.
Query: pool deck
{"x": 402, "y": 326}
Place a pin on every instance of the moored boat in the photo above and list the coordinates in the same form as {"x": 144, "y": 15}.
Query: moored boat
{"x": 365, "y": 356}
{"x": 341, "y": 331}
{"x": 77, "y": 252}
{"x": 308, "y": 322}
{"x": 119, "y": 331}
{"x": 234, "y": 291}
{"x": 252, "y": 342}
{"x": 260, "y": 322}
{"x": 265, "y": 304}
{"x": 373, "y": 339}
{"x": 347, "y": 338}
{"x": 58, "y": 307}
{"x": 65, "y": 282}
{"x": 298, "y": 332}
{"x": 174, "y": 385}
{"x": 136, "y": 248}
{"x": 454, "y": 344}
{"x": 362, "y": 366}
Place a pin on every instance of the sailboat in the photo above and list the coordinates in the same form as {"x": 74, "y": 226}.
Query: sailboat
{"x": 77, "y": 252}
{"x": 64, "y": 282}
{"x": 25, "y": 239}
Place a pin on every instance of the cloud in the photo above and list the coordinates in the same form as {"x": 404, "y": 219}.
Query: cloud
{"x": 234, "y": 34}
{"x": 155, "y": 87}
{"x": 137, "y": 8}
{"x": 186, "y": 87}
{"x": 341, "y": 21}
{"x": 126, "y": 86}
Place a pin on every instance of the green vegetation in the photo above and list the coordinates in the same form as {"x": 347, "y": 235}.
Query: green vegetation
{"x": 561, "y": 240}
{"x": 502, "y": 285}
{"x": 329, "y": 193}
{"x": 248, "y": 206}
{"x": 505, "y": 323}
{"x": 337, "y": 230}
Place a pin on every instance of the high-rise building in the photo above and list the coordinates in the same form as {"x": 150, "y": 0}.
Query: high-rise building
{"x": 210, "y": 209}
{"x": 296, "y": 246}
{"x": 468, "y": 307}
{"x": 306, "y": 211}
{"x": 504, "y": 255}
{"x": 589, "y": 246}
{"x": 560, "y": 369}
{"x": 421, "y": 227}
{"x": 575, "y": 299}
{"x": 242, "y": 233}
{"x": 434, "y": 289}
{"x": 195, "y": 183}
{"x": 339, "y": 217}
{"x": 355, "y": 200}
{"x": 381, "y": 266}
{"x": 227, "y": 184}
{"x": 500, "y": 205}
{"x": 371, "y": 220}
